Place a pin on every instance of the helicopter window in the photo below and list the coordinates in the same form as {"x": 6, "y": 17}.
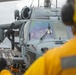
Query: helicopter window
{"x": 60, "y": 30}
{"x": 38, "y": 29}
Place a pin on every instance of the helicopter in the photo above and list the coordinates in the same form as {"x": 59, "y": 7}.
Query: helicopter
{"x": 39, "y": 29}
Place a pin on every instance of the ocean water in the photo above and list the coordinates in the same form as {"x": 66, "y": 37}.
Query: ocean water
{"x": 7, "y": 44}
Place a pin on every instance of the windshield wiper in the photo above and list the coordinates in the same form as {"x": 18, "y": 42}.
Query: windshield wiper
{"x": 48, "y": 31}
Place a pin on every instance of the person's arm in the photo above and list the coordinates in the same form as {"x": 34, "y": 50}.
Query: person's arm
{"x": 45, "y": 65}
{"x": 37, "y": 68}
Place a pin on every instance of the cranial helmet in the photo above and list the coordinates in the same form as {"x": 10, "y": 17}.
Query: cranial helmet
{"x": 3, "y": 63}
{"x": 68, "y": 12}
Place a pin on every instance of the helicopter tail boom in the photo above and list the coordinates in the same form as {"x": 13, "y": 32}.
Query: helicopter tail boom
{"x": 17, "y": 24}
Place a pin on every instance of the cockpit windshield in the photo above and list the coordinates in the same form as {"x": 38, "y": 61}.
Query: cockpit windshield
{"x": 39, "y": 27}
{"x": 60, "y": 30}
{"x": 46, "y": 29}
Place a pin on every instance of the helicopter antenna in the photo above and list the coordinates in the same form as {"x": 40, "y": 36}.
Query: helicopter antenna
{"x": 32, "y": 3}
{"x": 38, "y": 2}
{"x": 56, "y": 3}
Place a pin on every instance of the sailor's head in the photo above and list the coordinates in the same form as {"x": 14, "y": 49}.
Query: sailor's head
{"x": 3, "y": 64}
{"x": 68, "y": 14}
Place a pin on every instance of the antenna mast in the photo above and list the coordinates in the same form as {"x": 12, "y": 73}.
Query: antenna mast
{"x": 56, "y": 3}
{"x": 47, "y": 3}
{"x": 38, "y": 2}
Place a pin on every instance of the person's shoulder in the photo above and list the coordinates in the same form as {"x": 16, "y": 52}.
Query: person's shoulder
{"x": 56, "y": 51}
{"x": 51, "y": 53}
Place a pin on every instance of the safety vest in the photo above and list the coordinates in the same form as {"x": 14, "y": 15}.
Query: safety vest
{"x": 58, "y": 61}
{"x": 5, "y": 72}
{"x": 62, "y": 60}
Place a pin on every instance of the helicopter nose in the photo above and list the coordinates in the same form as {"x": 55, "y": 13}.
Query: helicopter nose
{"x": 44, "y": 49}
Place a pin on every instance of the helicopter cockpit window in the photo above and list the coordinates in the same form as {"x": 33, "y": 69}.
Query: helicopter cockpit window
{"x": 60, "y": 30}
{"x": 39, "y": 28}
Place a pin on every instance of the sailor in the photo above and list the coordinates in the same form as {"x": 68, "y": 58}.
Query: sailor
{"x": 3, "y": 65}
{"x": 60, "y": 60}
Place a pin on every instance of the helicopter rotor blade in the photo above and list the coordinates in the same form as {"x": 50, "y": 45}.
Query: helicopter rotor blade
{"x": 7, "y": 0}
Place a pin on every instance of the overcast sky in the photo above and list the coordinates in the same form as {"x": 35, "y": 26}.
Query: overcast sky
{"x": 7, "y": 11}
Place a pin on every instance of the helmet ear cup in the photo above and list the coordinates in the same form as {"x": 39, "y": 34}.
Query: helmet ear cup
{"x": 74, "y": 16}
{"x": 71, "y": 1}
{"x": 67, "y": 13}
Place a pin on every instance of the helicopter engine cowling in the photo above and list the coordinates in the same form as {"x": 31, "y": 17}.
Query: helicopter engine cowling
{"x": 25, "y": 13}
{"x": 1, "y": 35}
